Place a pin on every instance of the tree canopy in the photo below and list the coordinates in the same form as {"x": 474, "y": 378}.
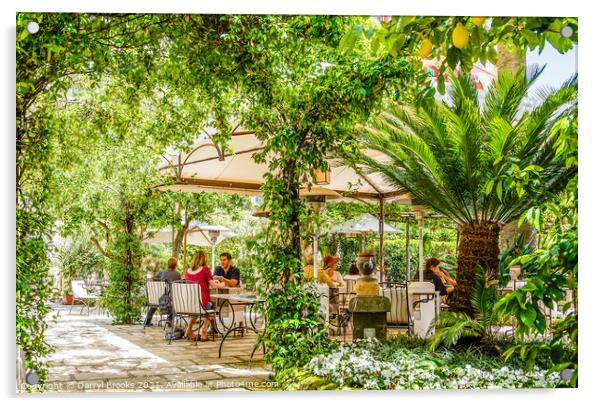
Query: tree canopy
{"x": 101, "y": 96}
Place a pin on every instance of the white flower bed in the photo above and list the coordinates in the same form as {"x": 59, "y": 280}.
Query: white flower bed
{"x": 355, "y": 365}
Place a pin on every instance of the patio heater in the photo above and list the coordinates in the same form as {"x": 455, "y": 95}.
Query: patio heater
{"x": 316, "y": 197}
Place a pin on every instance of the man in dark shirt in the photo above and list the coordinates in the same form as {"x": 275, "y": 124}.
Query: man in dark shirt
{"x": 168, "y": 275}
{"x": 226, "y": 272}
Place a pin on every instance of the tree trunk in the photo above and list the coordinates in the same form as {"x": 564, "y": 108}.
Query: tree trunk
{"x": 511, "y": 231}
{"x": 294, "y": 241}
{"x": 129, "y": 229}
{"x": 508, "y": 60}
{"x": 478, "y": 246}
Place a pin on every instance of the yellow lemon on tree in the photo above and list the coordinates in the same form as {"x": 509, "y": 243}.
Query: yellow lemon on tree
{"x": 425, "y": 48}
{"x": 478, "y": 20}
{"x": 460, "y": 36}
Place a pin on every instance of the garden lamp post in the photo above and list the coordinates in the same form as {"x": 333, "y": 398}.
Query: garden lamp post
{"x": 213, "y": 236}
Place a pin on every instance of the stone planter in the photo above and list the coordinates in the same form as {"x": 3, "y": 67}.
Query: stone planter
{"x": 368, "y": 308}
{"x": 369, "y": 314}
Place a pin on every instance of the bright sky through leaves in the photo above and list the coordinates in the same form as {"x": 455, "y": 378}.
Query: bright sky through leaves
{"x": 559, "y": 66}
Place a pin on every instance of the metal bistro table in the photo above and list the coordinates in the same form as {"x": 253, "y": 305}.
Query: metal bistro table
{"x": 251, "y": 313}
{"x": 99, "y": 289}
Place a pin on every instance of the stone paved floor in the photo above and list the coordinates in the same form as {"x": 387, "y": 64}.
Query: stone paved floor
{"x": 92, "y": 355}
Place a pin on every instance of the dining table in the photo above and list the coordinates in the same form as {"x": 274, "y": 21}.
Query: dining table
{"x": 251, "y": 317}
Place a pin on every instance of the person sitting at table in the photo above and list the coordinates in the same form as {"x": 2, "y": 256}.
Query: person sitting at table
{"x": 353, "y": 272}
{"x": 167, "y": 275}
{"x": 436, "y": 275}
{"x": 330, "y": 266}
{"x": 308, "y": 271}
{"x": 226, "y": 272}
{"x": 199, "y": 272}
{"x": 444, "y": 275}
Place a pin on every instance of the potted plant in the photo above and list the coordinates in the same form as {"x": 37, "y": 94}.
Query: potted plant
{"x": 79, "y": 261}
{"x": 67, "y": 296}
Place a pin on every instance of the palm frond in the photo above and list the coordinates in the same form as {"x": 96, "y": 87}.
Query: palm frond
{"x": 445, "y": 155}
{"x": 507, "y": 92}
{"x": 484, "y": 294}
{"x": 449, "y": 328}
{"x": 462, "y": 92}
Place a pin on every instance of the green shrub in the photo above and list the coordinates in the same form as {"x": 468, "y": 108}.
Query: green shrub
{"x": 80, "y": 260}
{"x": 403, "y": 363}
{"x": 451, "y": 326}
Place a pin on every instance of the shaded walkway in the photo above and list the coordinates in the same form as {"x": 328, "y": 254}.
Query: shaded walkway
{"x": 93, "y": 355}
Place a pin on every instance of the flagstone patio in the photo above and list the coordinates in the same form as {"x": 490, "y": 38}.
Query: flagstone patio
{"x": 93, "y": 355}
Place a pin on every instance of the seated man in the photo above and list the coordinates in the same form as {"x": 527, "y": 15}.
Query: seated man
{"x": 436, "y": 275}
{"x": 226, "y": 272}
{"x": 168, "y": 275}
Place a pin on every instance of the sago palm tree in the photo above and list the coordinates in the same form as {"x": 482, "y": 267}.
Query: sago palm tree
{"x": 450, "y": 327}
{"x": 479, "y": 162}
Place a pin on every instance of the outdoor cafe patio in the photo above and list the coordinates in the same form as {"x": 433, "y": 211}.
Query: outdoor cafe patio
{"x": 94, "y": 355}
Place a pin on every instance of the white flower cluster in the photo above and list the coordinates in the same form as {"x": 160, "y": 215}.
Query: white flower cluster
{"x": 355, "y": 365}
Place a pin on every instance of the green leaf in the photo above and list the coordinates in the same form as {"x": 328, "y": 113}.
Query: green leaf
{"x": 489, "y": 187}
{"x": 528, "y": 316}
{"x": 499, "y": 190}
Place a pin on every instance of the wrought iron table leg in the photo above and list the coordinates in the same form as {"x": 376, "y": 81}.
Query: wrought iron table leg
{"x": 224, "y": 339}
{"x": 253, "y": 353}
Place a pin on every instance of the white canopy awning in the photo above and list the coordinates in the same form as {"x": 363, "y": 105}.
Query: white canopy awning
{"x": 210, "y": 168}
{"x": 366, "y": 223}
{"x": 198, "y": 234}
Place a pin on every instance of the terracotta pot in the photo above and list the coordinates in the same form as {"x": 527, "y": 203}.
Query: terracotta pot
{"x": 68, "y": 300}
{"x": 365, "y": 263}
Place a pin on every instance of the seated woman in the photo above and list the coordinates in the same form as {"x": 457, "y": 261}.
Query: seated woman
{"x": 437, "y": 275}
{"x": 330, "y": 266}
{"x": 308, "y": 272}
{"x": 199, "y": 272}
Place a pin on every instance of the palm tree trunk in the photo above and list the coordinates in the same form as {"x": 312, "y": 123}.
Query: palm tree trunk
{"x": 508, "y": 60}
{"x": 478, "y": 246}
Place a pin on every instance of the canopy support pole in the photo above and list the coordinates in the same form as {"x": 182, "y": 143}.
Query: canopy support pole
{"x": 185, "y": 235}
{"x": 315, "y": 247}
{"x": 420, "y": 213}
{"x": 408, "y": 262}
{"x": 381, "y": 235}
{"x": 421, "y": 247}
